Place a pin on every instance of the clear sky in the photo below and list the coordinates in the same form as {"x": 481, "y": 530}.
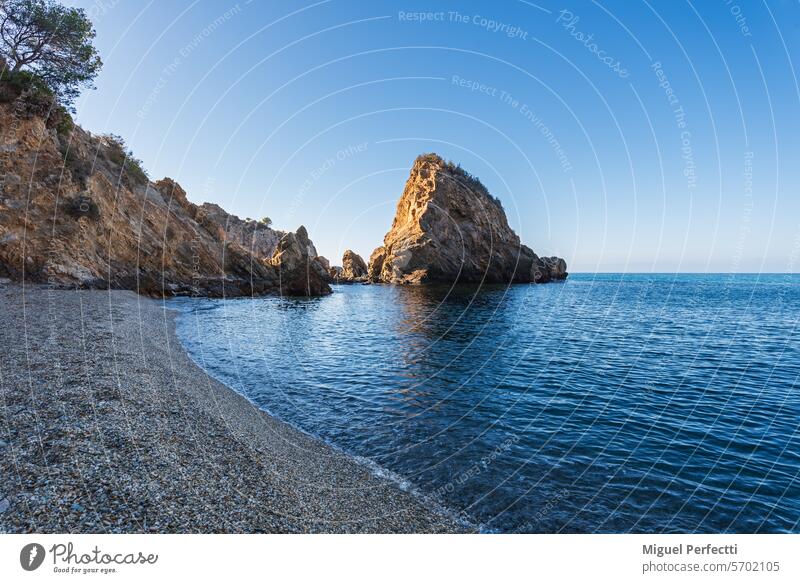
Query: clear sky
{"x": 621, "y": 135}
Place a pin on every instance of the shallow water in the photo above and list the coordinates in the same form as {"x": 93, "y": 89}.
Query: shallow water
{"x": 609, "y": 403}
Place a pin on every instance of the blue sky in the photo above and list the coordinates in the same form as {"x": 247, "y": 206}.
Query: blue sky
{"x": 622, "y": 136}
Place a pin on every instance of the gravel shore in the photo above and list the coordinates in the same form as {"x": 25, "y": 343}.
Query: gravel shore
{"x": 108, "y": 426}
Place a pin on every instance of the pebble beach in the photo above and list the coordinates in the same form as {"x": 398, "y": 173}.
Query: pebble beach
{"x": 107, "y": 426}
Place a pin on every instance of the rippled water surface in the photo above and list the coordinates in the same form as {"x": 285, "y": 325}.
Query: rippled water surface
{"x": 610, "y": 403}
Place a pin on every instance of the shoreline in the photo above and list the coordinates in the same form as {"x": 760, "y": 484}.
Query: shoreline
{"x": 110, "y": 426}
{"x": 375, "y": 469}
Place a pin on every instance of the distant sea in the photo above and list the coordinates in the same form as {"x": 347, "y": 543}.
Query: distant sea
{"x": 608, "y": 403}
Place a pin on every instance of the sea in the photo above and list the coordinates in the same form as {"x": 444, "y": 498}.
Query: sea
{"x": 609, "y": 403}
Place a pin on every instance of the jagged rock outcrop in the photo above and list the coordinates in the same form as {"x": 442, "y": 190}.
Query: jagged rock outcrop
{"x": 258, "y": 238}
{"x": 375, "y": 265}
{"x": 299, "y": 270}
{"x": 353, "y": 267}
{"x": 555, "y": 267}
{"x": 448, "y": 228}
{"x": 352, "y": 270}
{"x": 324, "y": 262}
{"x": 75, "y": 212}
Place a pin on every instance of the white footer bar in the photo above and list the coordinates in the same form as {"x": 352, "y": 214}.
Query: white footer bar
{"x": 400, "y": 558}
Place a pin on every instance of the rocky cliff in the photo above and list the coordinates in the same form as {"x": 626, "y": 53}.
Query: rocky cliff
{"x": 352, "y": 270}
{"x": 353, "y": 267}
{"x": 75, "y": 210}
{"x": 255, "y": 236}
{"x": 448, "y": 228}
{"x": 299, "y": 269}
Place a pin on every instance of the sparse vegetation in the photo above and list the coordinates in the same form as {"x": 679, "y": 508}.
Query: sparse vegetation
{"x": 80, "y": 168}
{"x": 118, "y": 153}
{"x": 470, "y": 180}
{"x": 266, "y": 221}
{"x": 64, "y": 123}
{"x": 14, "y": 84}
{"x": 34, "y": 97}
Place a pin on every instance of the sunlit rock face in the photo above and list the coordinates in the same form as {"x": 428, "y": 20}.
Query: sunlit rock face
{"x": 255, "y": 236}
{"x": 448, "y": 228}
{"x": 75, "y": 213}
{"x": 299, "y": 269}
{"x": 354, "y": 268}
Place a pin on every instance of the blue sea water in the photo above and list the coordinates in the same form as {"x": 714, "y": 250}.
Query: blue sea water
{"x": 608, "y": 403}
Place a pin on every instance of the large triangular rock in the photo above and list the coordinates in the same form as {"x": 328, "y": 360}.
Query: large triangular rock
{"x": 353, "y": 266}
{"x": 299, "y": 269}
{"x": 448, "y": 228}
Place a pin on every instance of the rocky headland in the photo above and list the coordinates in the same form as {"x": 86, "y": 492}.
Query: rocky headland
{"x": 448, "y": 229}
{"x": 77, "y": 210}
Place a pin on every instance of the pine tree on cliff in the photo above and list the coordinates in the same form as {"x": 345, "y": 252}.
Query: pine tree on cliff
{"x": 51, "y": 42}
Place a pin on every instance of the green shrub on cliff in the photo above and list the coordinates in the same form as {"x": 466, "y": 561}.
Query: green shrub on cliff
{"x": 50, "y": 42}
{"x": 80, "y": 168}
{"x": 469, "y": 180}
{"x": 65, "y": 124}
{"x": 34, "y": 97}
{"x": 119, "y": 154}
{"x": 15, "y": 84}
